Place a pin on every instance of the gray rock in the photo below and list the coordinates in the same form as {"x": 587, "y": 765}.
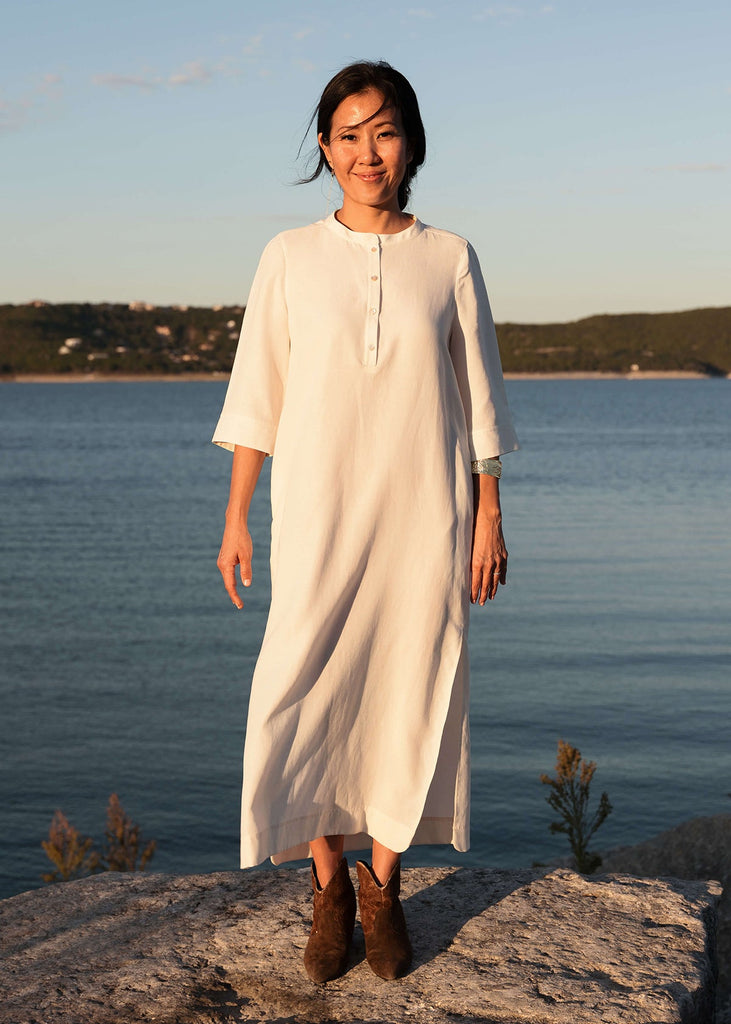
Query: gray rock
{"x": 699, "y": 848}
{"x": 490, "y": 946}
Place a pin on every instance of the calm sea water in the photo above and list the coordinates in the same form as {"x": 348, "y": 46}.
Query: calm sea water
{"x": 124, "y": 668}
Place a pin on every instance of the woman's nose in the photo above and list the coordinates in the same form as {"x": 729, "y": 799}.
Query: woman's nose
{"x": 368, "y": 154}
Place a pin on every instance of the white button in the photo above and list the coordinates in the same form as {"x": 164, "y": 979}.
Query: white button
{"x": 374, "y": 277}
{"x": 373, "y": 312}
{"x": 371, "y": 348}
{"x": 374, "y": 248}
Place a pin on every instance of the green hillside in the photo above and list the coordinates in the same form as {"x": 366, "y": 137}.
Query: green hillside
{"x": 109, "y": 338}
{"x": 697, "y": 340}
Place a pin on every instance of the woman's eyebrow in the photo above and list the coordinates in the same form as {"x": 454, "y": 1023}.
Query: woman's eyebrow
{"x": 370, "y": 120}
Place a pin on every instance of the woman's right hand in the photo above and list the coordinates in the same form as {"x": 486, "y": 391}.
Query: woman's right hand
{"x": 236, "y": 549}
{"x": 236, "y": 546}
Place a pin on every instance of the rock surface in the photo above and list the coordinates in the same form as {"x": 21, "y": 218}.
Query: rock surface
{"x": 493, "y": 946}
{"x": 699, "y": 848}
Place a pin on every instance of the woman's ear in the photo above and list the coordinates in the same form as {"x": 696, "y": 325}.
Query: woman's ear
{"x": 325, "y": 148}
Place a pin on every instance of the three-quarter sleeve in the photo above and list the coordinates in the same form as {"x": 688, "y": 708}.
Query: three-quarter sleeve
{"x": 253, "y": 404}
{"x": 476, "y": 360}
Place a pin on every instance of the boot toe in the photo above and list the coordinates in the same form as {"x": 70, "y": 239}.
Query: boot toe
{"x": 390, "y": 967}
{"x": 321, "y": 969}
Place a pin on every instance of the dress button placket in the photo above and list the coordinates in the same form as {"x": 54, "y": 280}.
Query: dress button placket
{"x": 373, "y": 305}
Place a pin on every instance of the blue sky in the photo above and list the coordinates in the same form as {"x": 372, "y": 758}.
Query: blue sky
{"x": 148, "y": 149}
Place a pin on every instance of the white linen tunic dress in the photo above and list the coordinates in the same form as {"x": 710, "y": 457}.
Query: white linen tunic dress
{"x": 368, "y": 367}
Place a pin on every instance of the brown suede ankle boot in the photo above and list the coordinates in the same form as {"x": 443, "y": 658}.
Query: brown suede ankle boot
{"x": 333, "y": 920}
{"x": 388, "y": 949}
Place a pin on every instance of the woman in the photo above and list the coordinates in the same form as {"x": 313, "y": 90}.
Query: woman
{"x": 368, "y": 367}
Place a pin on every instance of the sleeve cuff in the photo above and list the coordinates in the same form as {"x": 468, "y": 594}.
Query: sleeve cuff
{"x": 490, "y": 443}
{"x": 249, "y": 433}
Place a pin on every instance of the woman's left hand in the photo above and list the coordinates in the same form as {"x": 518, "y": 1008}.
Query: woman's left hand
{"x": 489, "y": 563}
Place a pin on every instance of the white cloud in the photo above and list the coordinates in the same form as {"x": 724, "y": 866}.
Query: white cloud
{"x": 420, "y": 12}
{"x": 305, "y": 65}
{"x": 193, "y": 73}
{"x": 228, "y": 67}
{"x": 13, "y": 113}
{"x": 50, "y": 84}
{"x": 253, "y": 46}
{"x": 505, "y": 12}
{"x": 709, "y": 168}
{"x": 31, "y": 104}
{"x": 143, "y": 82}
{"x": 303, "y": 33}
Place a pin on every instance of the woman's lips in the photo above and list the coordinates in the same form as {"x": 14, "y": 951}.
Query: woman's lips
{"x": 376, "y": 176}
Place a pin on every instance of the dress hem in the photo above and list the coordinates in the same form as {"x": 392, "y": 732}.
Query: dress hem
{"x": 429, "y": 832}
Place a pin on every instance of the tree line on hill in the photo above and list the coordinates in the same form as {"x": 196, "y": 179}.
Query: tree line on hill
{"x": 108, "y": 338}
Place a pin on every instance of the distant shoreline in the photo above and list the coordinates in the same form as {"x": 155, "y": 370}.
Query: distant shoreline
{"x": 138, "y": 342}
{"x": 157, "y": 378}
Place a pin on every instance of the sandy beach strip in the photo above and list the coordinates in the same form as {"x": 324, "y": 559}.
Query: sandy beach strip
{"x": 602, "y": 375}
{"x": 142, "y": 378}
{"x": 111, "y": 378}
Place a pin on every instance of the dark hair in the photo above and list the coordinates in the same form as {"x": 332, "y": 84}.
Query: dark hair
{"x": 396, "y": 91}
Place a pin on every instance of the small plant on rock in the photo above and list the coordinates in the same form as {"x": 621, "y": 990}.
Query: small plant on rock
{"x": 569, "y": 797}
{"x": 122, "y": 837}
{"x": 73, "y": 855}
{"x": 69, "y": 851}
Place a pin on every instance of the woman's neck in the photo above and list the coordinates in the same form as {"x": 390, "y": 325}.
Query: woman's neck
{"x": 372, "y": 220}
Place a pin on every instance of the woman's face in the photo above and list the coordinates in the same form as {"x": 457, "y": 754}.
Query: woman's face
{"x": 368, "y": 153}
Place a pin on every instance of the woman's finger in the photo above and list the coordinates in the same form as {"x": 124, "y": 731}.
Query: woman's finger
{"x": 245, "y": 570}
{"x": 499, "y": 576}
{"x": 228, "y": 572}
{"x": 475, "y": 582}
{"x": 487, "y": 583}
{"x": 488, "y": 580}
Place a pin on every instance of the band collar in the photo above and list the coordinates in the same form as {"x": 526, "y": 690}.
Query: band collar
{"x": 367, "y": 238}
